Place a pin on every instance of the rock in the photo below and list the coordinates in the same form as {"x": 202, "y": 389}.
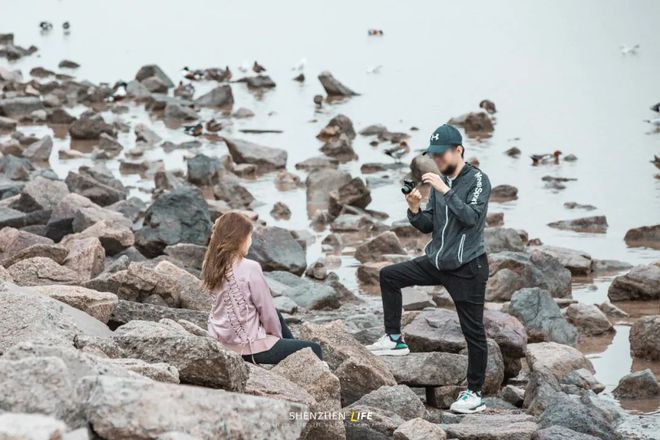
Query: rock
{"x": 152, "y": 70}
{"x": 40, "y": 150}
{"x": 555, "y": 358}
{"x": 358, "y": 370}
{"x": 336, "y": 127}
{"x": 561, "y": 433}
{"x": 60, "y": 116}
{"x": 419, "y": 429}
{"x": 588, "y": 318}
{"x": 594, "y": 224}
{"x": 640, "y": 284}
{"x": 507, "y": 331}
{"x": 354, "y": 193}
{"x": 578, "y": 262}
{"x": 178, "y": 112}
{"x": 166, "y": 224}
{"x": 27, "y": 315}
{"x": 428, "y": 369}
{"x": 19, "y": 107}
{"x": 98, "y": 192}
{"x": 580, "y": 415}
{"x": 13, "y": 241}
{"x": 435, "y": 330}
{"x": 612, "y": 311}
{"x": 317, "y": 162}
{"x": 22, "y": 426}
{"x": 310, "y": 373}
{"x": 376, "y": 247}
{"x": 190, "y": 255}
{"x": 493, "y": 427}
{"x": 511, "y": 271}
{"x": 127, "y": 311}
{"x": 332, "y": 86}
{"x": 86, "y": 257}
{"x": 113, "y": 237}
{"x": 541, "y": 316}
{"x": 99, "y": 305}
{"x": 200, "y": 360}
{"x": 154, "y": 85}
{"x": 494, "y": 370}
{"x": 320, "y": 183}
{"x": 280, "y": 211}
{"x": 7, "y": 124}
{"x": 275, "y": 248}
{"x": 265, "y": 158}
{"x": 638, "y": 385}
{"x": 139, "y": 409}
{"x": 109, "y": 145}
{"x": 90, "y": 125}
{"x": 264, "y": 383}
{"x": 398, "y": 399}
{"x": 365, "y": 422}
{"x": 259, "y": 82}
{"x": 646, "y": 236}
{"x": 192, "y": 295}
{"x": 503, "y": 239}
{"x": 503, "y": 193}
{"x": 40, "y": 271}
{"x": 474, "y": 123}
{"x": 220, "y": 96}
{"x": 645, "y": 337}
{"x": 203, "y": 170}
{"x": 513, "y": 394}
{"x": 40, "y": 194}
{"x": 146, "y": 135}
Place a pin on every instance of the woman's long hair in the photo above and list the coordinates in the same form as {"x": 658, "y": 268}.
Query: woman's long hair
{"x": 229, "y": 233}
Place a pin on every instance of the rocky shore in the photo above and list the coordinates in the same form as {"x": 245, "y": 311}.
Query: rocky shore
{"x": 103, "y": 318}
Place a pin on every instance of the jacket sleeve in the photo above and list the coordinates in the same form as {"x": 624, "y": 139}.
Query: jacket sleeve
{"x": 423, "y": 220}
{"x": 470, "y": 211}
{"x": 263, "y": 301}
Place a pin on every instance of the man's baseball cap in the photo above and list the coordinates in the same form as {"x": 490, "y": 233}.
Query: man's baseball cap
{"x": 443, "y": 138}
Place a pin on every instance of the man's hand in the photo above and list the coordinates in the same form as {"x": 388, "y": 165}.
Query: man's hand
{"x": 436, "y": 182}
{"x": 414, "y": 198}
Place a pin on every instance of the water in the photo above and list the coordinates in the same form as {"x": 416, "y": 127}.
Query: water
{"x": 554, "y": 70}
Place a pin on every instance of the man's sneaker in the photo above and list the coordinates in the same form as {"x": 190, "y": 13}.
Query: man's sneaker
{"x": 386, "y": 346}
{"x": 468, "y": 402}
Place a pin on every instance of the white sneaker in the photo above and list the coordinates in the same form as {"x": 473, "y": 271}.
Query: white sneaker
{"x": 386, "y": 346}
{"x": 468, "y": 402}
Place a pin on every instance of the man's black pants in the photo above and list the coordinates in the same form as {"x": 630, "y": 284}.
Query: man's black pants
{"x": 467, "y": 287}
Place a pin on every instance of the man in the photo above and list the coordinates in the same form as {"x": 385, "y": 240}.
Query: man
{"x": 455, "y": 257}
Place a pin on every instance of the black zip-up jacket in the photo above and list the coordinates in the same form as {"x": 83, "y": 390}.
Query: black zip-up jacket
{"x": 456, "y": 219}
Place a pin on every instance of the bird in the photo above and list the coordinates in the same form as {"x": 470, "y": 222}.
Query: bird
{"x": 118, "y": 91}
{"x": 46, "y": 25}
{"x": 184, "y": 90}
{"x": 213, "y": 126}
{"x": 655, "y": 122}
{"x": 218, "y": 74}
{"x": 318, "y": 100}
{"x": 543, "y": 158}
{"x": 193, "y": 75}
{"x": 398, "y": 151}
{"x": 375, "y": 32}
{"x": 488, "y": 105}
{"x": 300, "y": 65}
{"x": 374, "y": 69}
{"x": 656, "y": 161}
{"x": 258, "y": 68}
{"x": 193, "y": 130}
{"x": 66, "y": 26}
{"x": 629, "y": 50}
{"x": 656, "y": 108}
{"x": 300, "y": 77}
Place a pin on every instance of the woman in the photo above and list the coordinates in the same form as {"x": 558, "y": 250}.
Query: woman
{"x": 244, "y": 318}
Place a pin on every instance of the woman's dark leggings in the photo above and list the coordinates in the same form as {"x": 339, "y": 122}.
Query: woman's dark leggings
{"x": 284, "y": 347}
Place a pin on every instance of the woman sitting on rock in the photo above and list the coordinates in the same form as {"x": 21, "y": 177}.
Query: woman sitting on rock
{"x": 244, "y": 318}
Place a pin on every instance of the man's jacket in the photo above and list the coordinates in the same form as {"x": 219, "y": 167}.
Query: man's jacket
{"x": 456, "y": 219}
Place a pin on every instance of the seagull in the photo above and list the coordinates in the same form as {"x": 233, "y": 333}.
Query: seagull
{"x": 542, "y": 158}
{"x": 300, "y": 65}
{"x": 629, "y": 50}
{"x": 488, "y": 105}
{"x": 46, "y": 25}
{"x": 399, "y": 151}
{"x": 655, "y": 122}
{"x": 374, "y": 69}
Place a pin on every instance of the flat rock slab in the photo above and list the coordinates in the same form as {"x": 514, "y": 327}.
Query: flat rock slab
{"x": 427, "y": 369}
{"x": 493, "y": 427}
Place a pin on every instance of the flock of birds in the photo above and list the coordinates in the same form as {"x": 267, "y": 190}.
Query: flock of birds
{"x": 47, "y": 26}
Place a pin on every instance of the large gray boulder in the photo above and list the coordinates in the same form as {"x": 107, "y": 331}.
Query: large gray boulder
{"x": 503, "y": 239}
{"x": 40, "y": 193}
{"x": 37, "y": 271}
{"x": 90, "y": 125}
{"x": 153, "y": 70}
{"x": 505, "y": 426}
{"x": 20, "y": 106}
{"x": 578, "y": 262}
{"x": 582, "y": 415}
{"x": 648, "y": 236}
{"x": 511, "y": 271}
{"x": 638, "y": 385}
{"x": 588, "y": 318}
{"x": 428, "y": 369}
{"x": 375, "y": 248}
{"x": 123, "y": 408}
{"x": 642, "y": 283}
{"x": 275, "y": 248}
{"x": 30, "y": 426}
{"x": 220, "y": 96}
{"x": 435, "y": 330}
{"x": 541, "y": 316}
{"x": 333, "y": 87}
{"x": 320, "y": 183}
{"x": 165, "y": 223}
{"x": 358, "y": 370}
{"x": 645, "y": 337}
{"x": 265, "y": 158}
{"x": 399, "y": 399}
{"x": 557, "y": 359}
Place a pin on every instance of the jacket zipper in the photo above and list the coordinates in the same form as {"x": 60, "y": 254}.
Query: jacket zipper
{"x": 442, "y": 243}
{"x": 460, "y": 249}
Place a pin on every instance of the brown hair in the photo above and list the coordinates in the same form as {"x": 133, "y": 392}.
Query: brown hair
{"x": 229, "y": 232}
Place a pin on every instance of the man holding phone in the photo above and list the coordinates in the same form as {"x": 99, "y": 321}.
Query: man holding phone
{"x": 455, "y": 257}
